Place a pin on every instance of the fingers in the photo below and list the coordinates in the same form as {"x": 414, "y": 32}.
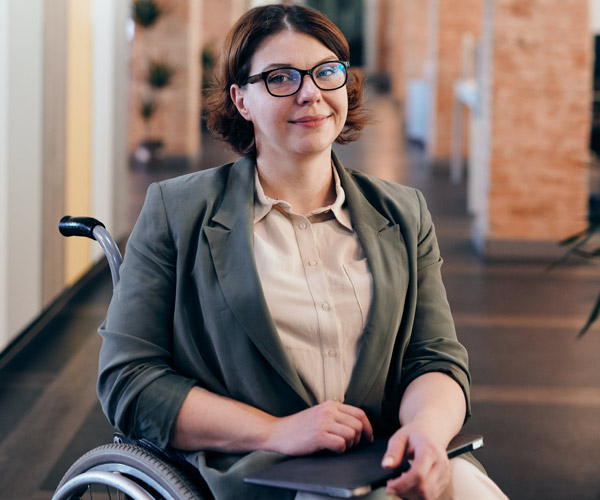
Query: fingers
{"x": 429, "y": 471}
{"x": 396, "y": 451}
{"x": 366, "y": 429}
{"x": 424, "y": 480}
{"x": 346, "y": 422}
{"x": 328, "y": 426}
{"x": 355, "y": 419}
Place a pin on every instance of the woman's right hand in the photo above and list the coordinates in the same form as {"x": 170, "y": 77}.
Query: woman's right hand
{"x": 207, "y": 421}
{"x": 328, "y": 426}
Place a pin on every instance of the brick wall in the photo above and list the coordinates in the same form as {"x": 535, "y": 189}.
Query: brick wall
{"x": 395, "y": 41}
{"x": 454, "y": 19}
{"x": 540, "y": 118}
{"x": 218, "y": 18}
{"x": 176, "y": 39}
{"x": 415, "y": 14}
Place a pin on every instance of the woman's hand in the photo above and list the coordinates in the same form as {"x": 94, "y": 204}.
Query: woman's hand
{"x": 429, "y": 473}
{"x": 207, "y": 421}
{"x": 328, "y": 426}
{"x": 432, "y": 412}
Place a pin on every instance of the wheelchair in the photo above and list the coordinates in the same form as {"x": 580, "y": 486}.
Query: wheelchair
{"x": 135, "y": 469}
{"x": 127, "y": 468}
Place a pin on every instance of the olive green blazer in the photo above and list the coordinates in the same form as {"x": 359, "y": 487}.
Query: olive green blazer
{"x": 189, "y": 310}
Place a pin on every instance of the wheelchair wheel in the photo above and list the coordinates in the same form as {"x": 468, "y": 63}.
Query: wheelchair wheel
{"x": 124, "y": 471}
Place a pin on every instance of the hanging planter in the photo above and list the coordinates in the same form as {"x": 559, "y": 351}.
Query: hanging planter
{"x": 159, "y": 74}
{"x": 149, "y": 150}
{"x": 146, "y": 12}
{"x": 147, "y": 109}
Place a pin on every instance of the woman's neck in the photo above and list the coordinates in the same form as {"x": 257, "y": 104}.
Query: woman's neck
{"x": 306, "y": 182}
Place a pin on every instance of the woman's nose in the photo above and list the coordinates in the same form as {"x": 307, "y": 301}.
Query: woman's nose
{"x": 308, "y": 91}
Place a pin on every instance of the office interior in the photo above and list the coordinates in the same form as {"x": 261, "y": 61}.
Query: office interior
{"x": 490, "y": 107}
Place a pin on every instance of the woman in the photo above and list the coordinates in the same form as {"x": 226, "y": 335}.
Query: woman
{"x": 281, "y": 304}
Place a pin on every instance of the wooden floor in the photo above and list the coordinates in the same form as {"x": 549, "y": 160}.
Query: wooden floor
{"x": 536, "y": 389}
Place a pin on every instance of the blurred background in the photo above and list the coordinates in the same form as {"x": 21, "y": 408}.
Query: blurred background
{"x": 491, "y": 107}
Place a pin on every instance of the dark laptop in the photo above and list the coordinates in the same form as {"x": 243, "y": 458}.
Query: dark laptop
{"x": 352, "y": 474}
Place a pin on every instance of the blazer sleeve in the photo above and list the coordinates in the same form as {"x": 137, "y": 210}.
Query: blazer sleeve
{"x": 433, "y": 345}
{"x": 140, "y": 392}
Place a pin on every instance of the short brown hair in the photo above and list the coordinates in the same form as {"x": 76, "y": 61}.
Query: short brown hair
{"x": 223, "y": 118}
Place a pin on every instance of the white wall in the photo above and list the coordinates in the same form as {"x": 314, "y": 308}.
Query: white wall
{"x": 22, "y": 147}
{"x": 480, "y": 207}
{"x": 109, "y": 116}
{"x": 21, "y": 164}
{"x": 595, "y": 16}
{"x": 4, "y": 23}
{"x": 371, "y": 15}
{"x": 430, "y": 70}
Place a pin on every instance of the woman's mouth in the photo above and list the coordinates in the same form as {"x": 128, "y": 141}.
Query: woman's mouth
{"x": 310, "y": 121}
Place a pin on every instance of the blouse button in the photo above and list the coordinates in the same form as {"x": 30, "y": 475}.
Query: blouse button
{"x": 331, "y": 353}
{"x": 302, "y": 225}
{"x": 312, "y": 262}
{"x": 325, "y": 306}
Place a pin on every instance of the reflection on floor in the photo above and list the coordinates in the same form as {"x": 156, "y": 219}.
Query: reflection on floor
{"x": 536, "y": 389}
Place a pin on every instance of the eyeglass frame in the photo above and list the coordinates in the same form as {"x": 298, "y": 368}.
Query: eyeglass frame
{"x": 303, "y": 72}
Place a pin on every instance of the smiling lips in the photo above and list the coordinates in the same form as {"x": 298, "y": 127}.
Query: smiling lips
{"x": 310, "y": 121}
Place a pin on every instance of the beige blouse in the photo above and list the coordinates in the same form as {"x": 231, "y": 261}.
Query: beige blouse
{"x": 317, "y": 285}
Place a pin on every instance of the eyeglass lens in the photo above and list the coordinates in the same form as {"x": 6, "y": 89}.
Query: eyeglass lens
{"x": 286, "y": 81}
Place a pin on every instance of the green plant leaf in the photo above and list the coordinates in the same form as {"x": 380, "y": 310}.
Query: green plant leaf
{"x": 583, "y": 238}
{"x": 593, "y": 317}
{"x": 159, "y": 74}
{"x": 572, "y": 239}
{"x": 147, "y": 108}
{"x": 146, "y": 12}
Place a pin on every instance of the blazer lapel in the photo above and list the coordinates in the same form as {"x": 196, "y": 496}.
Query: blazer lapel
{"x": 382, "y": 242}
{"x": 231, "y": 247}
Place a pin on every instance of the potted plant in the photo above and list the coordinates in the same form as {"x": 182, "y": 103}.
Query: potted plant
{"x": 146, "y": 12}
{"x": 582, "y": 244}
{"x": 158, "y": 76}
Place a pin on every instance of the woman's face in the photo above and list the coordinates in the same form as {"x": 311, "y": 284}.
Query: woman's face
{"x": 305, "y": 123}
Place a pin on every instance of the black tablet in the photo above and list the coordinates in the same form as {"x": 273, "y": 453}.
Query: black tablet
{"x": 351, "y": 474}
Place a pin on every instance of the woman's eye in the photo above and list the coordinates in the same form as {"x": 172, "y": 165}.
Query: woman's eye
{"x": 279, "y": 77}
{"x": 328, "y": 70}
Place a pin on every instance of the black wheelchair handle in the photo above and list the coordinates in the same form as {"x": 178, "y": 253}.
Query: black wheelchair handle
{"x": 78, "y": 226}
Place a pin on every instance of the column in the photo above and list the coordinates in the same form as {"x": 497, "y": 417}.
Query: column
{"x": 110, "y": 84}
{"x": 449, "y": 21}
{"x": 371, "y": 35}
{"x": 54, "y": 175}
{"x": 4, "y": 112}
{"x": 536, "y": 94}
{"x": 175, "y": 39}
{"x": 414, "y": 84}
{"x": 21, "y": 123}
{"x": 218, "y": 16}
{"x": 78, "y": 176}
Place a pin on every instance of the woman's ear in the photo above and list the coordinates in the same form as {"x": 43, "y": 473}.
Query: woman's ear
{"x": 238, "y": 98}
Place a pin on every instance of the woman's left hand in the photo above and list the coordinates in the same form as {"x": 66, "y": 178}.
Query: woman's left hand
{"x": 429, "y": 473}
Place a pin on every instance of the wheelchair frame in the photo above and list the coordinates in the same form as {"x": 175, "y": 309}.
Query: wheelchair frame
{"x": 135, "y": 468}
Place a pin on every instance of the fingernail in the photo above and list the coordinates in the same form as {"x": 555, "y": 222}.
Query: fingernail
{"x": 388, "y": 461}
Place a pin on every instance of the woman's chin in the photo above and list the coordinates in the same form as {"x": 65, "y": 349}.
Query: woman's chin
{"x": 312, "y": 145}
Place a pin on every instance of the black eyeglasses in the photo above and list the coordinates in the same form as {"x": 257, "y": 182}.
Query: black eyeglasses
{"x": 283, "y": 82}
